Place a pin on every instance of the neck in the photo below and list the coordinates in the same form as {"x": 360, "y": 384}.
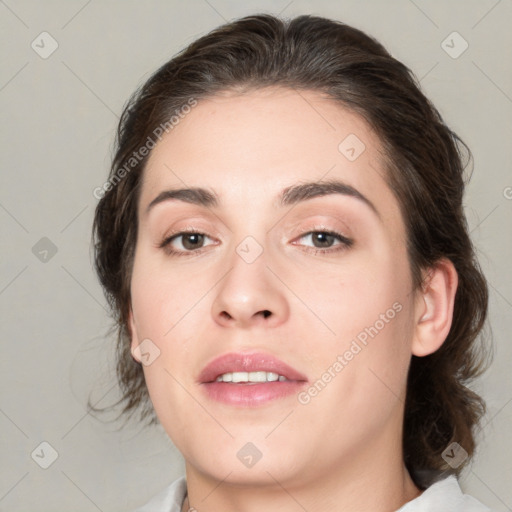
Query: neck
{"x": 373, "y": 481}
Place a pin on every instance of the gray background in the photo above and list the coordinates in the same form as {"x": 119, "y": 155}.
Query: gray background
{"x": 59, "y": 115}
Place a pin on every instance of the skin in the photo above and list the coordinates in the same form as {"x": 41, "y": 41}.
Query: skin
{"x": 342, "y": 450}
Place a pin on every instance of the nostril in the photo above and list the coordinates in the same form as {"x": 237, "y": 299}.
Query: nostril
{"x": 266, "y": 313}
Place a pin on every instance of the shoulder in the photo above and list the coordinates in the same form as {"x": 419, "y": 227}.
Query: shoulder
{"x": 169, "y": 499}
{"x": 444, "y": 496}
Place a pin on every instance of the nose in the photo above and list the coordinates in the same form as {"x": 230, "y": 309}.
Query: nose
{"x": 250, "y": 295}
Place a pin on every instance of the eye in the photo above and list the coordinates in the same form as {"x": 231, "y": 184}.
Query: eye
{"x": 184, "y": 242}
{"x": 325, "y": 241}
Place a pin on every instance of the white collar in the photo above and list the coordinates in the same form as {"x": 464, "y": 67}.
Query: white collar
{"x": 442, "y": 496}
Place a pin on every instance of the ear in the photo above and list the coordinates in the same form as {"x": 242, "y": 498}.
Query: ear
{"x": 434, "y": 308}
{"x": 135, "y": 338}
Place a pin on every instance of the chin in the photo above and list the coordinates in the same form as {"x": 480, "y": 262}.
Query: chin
{"x": 260, "y": 474}
{"x": 242, "y": 462}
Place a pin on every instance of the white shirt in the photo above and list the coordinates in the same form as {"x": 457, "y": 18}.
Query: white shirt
{"x": 442, "y": 496}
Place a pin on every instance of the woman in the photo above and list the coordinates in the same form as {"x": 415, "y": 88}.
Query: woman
{"x": 283, "y": 243}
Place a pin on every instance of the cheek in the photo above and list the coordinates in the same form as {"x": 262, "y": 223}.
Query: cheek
{"x": 368, "y": 307}
{"x": 360, "y": 380}
{"x": 355, "y": 296}
{"x": 167, "y": 307}
{"x": 162, "y": 299}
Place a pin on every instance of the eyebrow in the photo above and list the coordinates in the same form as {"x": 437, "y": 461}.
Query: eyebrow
{"x": 289, "y": 196}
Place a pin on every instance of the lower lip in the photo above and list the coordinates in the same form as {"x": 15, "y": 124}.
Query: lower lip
{"x": 251, "y": 395}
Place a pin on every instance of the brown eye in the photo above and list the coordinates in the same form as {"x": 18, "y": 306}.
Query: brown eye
{"x": 192, "y": 241}
{"x": 185, "y": 243}
{"x": 326, "y": 240}
{"x": 322, "y": 239}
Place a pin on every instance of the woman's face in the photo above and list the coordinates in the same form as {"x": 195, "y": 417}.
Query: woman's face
{"x": 304, "y": 281}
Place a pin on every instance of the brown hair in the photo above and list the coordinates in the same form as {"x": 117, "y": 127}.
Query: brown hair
{"x": 425, "y": 169}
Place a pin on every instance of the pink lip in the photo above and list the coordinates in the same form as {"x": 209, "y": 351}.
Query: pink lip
{"x": 249, "y": 394}
{"x": 234, "y": 362}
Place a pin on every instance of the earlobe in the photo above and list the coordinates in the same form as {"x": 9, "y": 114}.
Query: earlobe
{"x": 134, "y": 338}
{"x": 434, "y": 308}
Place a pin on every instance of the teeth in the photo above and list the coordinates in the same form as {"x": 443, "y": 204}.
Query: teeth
{"x": 251, "y": 377}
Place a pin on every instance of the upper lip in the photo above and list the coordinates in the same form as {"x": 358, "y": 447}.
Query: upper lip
{"x": 238, "y": 362}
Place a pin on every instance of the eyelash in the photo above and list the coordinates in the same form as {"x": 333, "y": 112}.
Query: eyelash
{"x": 344, "y": 244}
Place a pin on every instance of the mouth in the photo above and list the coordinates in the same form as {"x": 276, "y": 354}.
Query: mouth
{"x": 249, "y": 380}
{"x": 250, "y": 377}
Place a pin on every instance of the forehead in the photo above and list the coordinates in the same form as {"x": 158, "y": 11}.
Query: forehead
{"x": 250, "y": 146}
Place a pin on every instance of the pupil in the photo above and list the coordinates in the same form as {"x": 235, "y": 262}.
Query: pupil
{"x": 324, "y": 238}
{"x": 197, "y": 238}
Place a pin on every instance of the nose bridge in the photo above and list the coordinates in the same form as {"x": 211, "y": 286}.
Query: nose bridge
{"x": 249, "y": 293}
